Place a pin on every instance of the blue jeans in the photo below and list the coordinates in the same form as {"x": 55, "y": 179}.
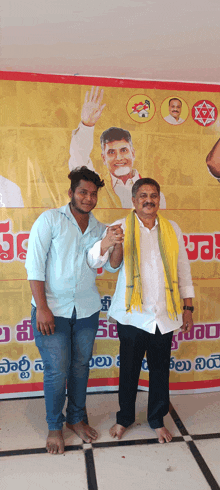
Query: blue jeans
{"x": 66, "y": 355}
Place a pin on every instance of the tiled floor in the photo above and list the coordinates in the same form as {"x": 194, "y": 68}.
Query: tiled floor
{"x": 189, "y": 462}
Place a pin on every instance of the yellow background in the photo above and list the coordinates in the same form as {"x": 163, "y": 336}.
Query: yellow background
{"x": 36, "y": 121}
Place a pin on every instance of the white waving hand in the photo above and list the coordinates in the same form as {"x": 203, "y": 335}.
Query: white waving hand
{"x": 92, "y": 107}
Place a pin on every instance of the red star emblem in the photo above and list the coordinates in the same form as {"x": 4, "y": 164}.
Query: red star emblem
{"x": 204, "y": 112}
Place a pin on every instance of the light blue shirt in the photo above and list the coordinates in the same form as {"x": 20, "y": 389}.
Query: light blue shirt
{"x": 57, "y": 254}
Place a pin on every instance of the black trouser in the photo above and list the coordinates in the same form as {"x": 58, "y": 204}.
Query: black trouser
{"x": 134, "y": 342}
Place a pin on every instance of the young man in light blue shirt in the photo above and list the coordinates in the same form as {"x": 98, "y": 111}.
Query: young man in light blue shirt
{"x": 66, "y": 303}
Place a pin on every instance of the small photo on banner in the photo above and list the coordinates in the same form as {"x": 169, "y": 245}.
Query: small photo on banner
{"x": 174, "y": 110}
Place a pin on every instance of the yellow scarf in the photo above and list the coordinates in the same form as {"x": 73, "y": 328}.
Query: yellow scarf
{"x": 169, "y": 249}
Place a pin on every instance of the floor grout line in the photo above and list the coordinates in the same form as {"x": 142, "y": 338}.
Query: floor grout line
{"x": 37, "y": 450}
{"x": 90, "y": 469}
{"x": 194, "y": 450}
{"x": 203, "y": 466}
{"x": 178, "y": 421}
{"x": 88, "y": 450}
{"x": 106, "y": 444}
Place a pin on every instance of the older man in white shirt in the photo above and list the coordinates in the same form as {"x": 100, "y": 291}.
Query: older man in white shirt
{"x": 154, "y": 274}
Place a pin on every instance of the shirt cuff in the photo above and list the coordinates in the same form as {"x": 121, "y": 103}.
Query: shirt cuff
{"x": 34, "y": 275}
{"x": 187, "y": 292}
{"x": 94, "y": 257}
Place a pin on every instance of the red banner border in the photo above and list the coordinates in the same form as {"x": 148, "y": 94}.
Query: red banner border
{"x": 109, "y": 82}
{"x": 105, "y": 382}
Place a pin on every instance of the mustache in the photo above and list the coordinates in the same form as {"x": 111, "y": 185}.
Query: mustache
{"x": 149, "y": 204}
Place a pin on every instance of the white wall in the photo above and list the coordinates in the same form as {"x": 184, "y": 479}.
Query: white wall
{"x": 150, "y": 39}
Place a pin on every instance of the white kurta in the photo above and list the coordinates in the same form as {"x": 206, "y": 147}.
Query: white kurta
{"x": 154, "y": 311}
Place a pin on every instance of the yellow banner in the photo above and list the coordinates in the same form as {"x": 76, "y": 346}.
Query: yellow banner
{"x": 173, "y": 128}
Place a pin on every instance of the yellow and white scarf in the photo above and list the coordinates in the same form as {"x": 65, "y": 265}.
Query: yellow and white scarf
{"x": 169, "y": 249}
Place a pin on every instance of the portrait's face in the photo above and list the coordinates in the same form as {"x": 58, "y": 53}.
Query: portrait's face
{"x": 119, "y": 157}
{"x": 146, "y": 202}
{"x": 175, "y": 107}
{"x": 85, "y": 197}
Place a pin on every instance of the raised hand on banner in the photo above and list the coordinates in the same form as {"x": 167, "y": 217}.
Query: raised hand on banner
{"x": 92, "y": 107}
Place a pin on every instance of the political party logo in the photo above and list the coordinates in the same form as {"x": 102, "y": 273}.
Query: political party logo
{"x": 140, "y": 108}
{"x": 204, "y": 113}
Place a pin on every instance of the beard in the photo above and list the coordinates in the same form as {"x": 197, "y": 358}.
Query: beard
{"x": 120, "y": 171}
{"x": 79, "y": 210}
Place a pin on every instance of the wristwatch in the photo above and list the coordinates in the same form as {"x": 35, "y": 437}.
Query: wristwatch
{"x": 190, "y": 308}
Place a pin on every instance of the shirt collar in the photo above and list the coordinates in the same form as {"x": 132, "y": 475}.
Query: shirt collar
{"x": 116, "y": 180}
{"x": 66, "y": 210}
{"x": 142, "y": 224}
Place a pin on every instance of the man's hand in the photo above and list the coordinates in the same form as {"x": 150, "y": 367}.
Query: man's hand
{"x": 187, "y": 321}
{"x": 113, "y": 237}
{"x": 45, "y": 321}
{"x": 92, "y": 108}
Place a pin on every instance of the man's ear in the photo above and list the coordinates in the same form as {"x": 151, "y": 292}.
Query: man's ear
{"x": 70, "y": 193}
{"x": 103, "y": 158}
{"x": 133, "y": 152}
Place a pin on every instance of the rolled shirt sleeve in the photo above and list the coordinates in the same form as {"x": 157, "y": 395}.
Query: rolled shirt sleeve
{"x": 38, "y": 247}
{"x": 185, "y": 284}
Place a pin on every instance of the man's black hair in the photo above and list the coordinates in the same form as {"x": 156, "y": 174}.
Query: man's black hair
{"x": 144, "y": 181}
{"x": 114, "y": 134}
{"x": 83, "y": 173}
{"x": 175, "y": 98}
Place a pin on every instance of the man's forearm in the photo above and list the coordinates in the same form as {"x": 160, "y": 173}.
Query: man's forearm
{"x": 187, "y": 302}
{"x": 38, "y": 291}
{"x": 116, "y": 256}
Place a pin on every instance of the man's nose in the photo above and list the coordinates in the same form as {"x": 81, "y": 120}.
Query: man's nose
{"x": 88, "y": 198}
{"x": 119, "y": 156}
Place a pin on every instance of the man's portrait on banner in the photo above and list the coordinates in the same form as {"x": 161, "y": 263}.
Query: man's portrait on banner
{"x": 174, "y": 110}
{"x": 117, "y": 153}
{"x": 10, "y": 194}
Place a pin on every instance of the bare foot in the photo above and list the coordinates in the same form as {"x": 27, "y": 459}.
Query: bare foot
{"x": 84, "y": 431}
{"x": 55, "y": 442}
{"x": 163, "y": 435}
{"x": 117, "y": 430}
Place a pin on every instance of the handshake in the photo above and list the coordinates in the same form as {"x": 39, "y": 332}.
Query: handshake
{"x": 114, "y": 238}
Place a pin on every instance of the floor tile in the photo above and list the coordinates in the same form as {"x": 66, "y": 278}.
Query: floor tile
{"x": 154, "y": 467}
{"x": 200, "y": 413}
{"x": 23, "y": 425}
{"x": 44, "y": 471}
{"x": 210, "y": 450}
{"x": 102, "y": 410}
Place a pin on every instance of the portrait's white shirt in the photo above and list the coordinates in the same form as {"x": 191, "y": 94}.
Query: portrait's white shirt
{"x": 80, "y": 148}
{"x": 170, "y": 119}
{"x": 154, "y": 311}
{"x": 10, "y": 194}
